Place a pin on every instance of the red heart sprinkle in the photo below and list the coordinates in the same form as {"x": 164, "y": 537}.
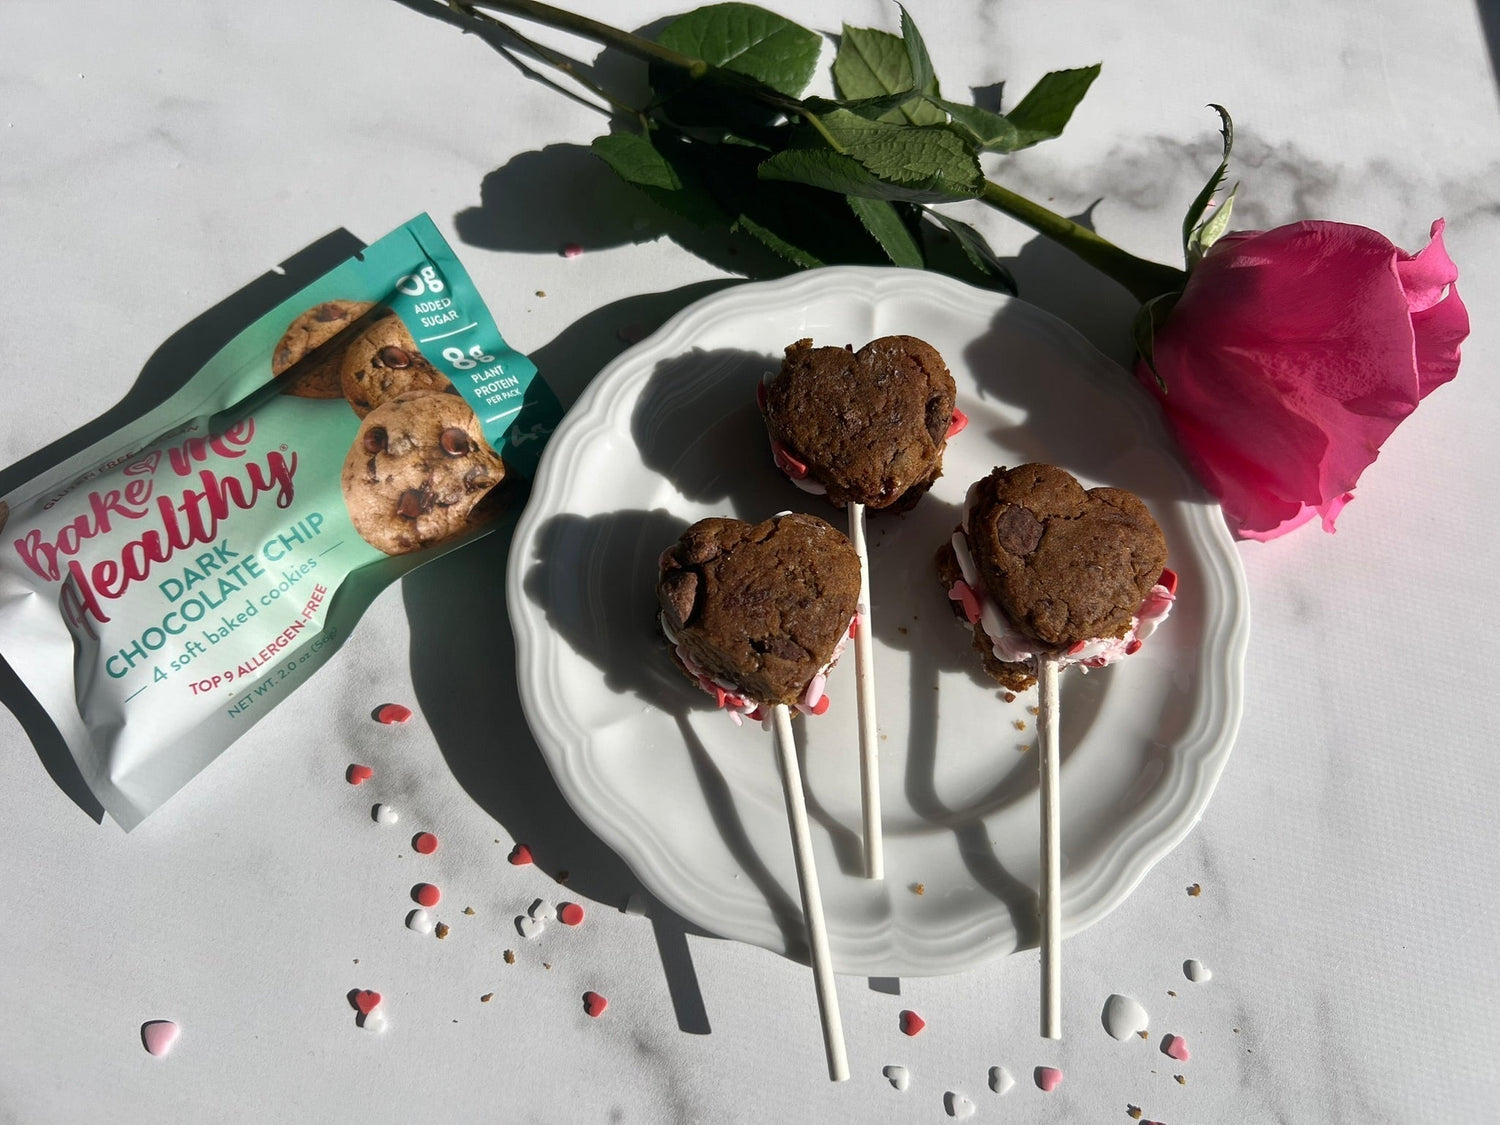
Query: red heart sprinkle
{"x": 1078, "y": 646}
{"x": 358, "y": 775}
{"x": 911, "y": 1023}
{"x": 594, "y": 1004}
{"x": 393, "y": 713}
{"x": 854, "y": 626}
{"x": 364, "y": 1000}
{"x": 570, "y": 914}
{"x": 1168, "y": 579}
{"x": 820, "y": 706}
{"x": 426, "y": 894}
{"x": 1133, "y": 647}
{"x": 425, "y": 842}
{"x": 956, "y": 427}
{"x": 520, "y": 855}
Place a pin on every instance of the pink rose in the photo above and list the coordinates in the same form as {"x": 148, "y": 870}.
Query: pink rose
{"x": 1293, "y": 353}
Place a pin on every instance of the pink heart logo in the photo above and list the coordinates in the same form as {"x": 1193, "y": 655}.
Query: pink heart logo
{"x": 145, "y": 466}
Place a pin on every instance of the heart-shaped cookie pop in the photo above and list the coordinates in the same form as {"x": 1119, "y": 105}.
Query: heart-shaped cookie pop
{"x": 866, "y": 427}
{"x": 1042, "y": 565}
{"x": 757, "y": 613}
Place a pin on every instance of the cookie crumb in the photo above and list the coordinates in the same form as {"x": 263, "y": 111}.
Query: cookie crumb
{"x": 469, "y": 910}
{"x": 1019, "y": 724}
{"x": 1034, "y": 710}
{"x": 919, "y": 888}
{"x": 487, "y": 997}
{"x": 1194, "y": 891}
{"x": 510, "y": 956}
{"x": 901, "y": 629}
{"x": 1181, "y": 1081}
{"x": 547, "y": 965}
{"x": 1008, "y": 696}
{"x": 539, "y": 293}
{"x": 1171, "y": 993}
{"x": 562, "y": 876}
{"x": 441, "y": 930}
{"x": 1133, "y": 1111}
{"x": 1144, "y": 1034}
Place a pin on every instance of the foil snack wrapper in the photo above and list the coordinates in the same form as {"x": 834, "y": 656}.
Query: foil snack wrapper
{"x": 163, "y": 589}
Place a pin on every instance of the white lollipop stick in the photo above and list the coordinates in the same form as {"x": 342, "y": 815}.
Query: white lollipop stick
{"x": 812, "y": 899}
{"x": 1051, "y": 912}
{"x": 864, "y": 670}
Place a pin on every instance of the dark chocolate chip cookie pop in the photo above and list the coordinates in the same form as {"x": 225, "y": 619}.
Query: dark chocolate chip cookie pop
{"x": 757, "y": 615}
{"x": 1050, "y": 574}
{"x": 866, "y": 429}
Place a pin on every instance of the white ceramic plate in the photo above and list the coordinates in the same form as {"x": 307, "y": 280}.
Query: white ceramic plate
{"x": 669, "y": 433}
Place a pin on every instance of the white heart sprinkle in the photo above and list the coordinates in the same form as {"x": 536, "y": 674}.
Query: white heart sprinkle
{"x": 899, "y": 1076}
{"x": 529, "y": 927}
{"x": 1001, "y": 1080}
{"x": 1123, "y": 1017}
{"x": 384, "y": 814}
{"x": 542, "y": 910}
{"x": 419, "y": 920}
{"x": 1196, "y": 971}
{"x": 373, "y": 1021}
{"x": 635, "y": 904}
{"x": 957, "y": 1105}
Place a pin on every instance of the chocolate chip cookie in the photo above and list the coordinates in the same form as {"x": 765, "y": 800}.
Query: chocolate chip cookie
{"x": 760, "y": 609}
{"x": 1064, "y": 564}
{"x": 309, "y": 345}
{"x": 418, "y": 469}
{"x": 869, "y": 426}
{"x": 384, "y": 362}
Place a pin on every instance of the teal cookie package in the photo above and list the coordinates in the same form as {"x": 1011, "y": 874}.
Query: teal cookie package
{"x": 163, "y": 589}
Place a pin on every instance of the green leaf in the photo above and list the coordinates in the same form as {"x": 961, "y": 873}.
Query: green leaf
{"x": 917, "y": 57}
{"x": 773, "y": 241}
{"x": 992, "y": 132}
{"x": 1210, "y": 230}
{"x": 636, "y": 161}
{"x": 834, "y": 171}
{"x": 1046, "y": 108}
{"x": 871, "y": 66}
{"x": 929, "y": 157}
{"x": 978, "y": 251}
{"x": 1200, "y": 204}
{"x": 750, "y": 41}
{"x": 884, "y": 223}
{"x": 1148, "y": 319}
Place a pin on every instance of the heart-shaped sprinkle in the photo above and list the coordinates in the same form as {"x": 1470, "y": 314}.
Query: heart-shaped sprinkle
{"x": 391, "y": 713}
{"x": 897, "y": 1075}
{"x": 1048, "y": 1078}
{"x": 957, "y": 426}
{"x": 1175, "y": 1047}
{"x": 358, "y": 775}
{"x": 425, "y": 843}
{"x": 1124, "y": 1016}
{"x": 957, "y": 1105}
{"x": 1196, "y": 971}
{"x": 419, "y": 920}
{"x": 364, "y": 1000}
{"x": 159, "y": 1036}
{"x": 911, "y": 1023}
{"x": 635, "y": 904}
{"x": 520, "y": 855}
{"x": 1001, "y": 1080}
{"x": 529, "y": 927}
{"x": 425, "y": 894}
{"x": 384, "y": 814}
{"x": 570, "y": 914}
{"x": 372, "y": 1021}
{"x": 542, "y": 910}
{"x": 1168, "y": 579}
{"x": 594, "y": 1004}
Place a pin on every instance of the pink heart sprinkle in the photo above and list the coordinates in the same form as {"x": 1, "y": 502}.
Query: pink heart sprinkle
{"x": 1175, "y": 1047}
{"x": 911, "y": 1023}
{"x": 956, "y": 426}
{"x": 570, "y": 914}
{"x": 358, "y": 775}
{"x": 594, "y": 1004}
{"x": 520, "y": 855}
{"x": 572, "y": 250}
{"x": 393, "y": 713}
{"x": 426, "y": 894}
{"x": 364, "y": 1000}
{"x": 158, "y": 1036}
{"x": 1048, "y": 1078}
{"x": 424, "y": 842}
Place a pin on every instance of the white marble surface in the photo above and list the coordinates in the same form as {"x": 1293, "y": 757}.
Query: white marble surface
{"x": 154, "y": 158}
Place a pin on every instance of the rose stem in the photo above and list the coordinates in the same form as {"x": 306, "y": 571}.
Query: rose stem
{"x": 812, "y": 899}
{"x": 864, "y": 670}
{"x": 1051, "y": 912}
